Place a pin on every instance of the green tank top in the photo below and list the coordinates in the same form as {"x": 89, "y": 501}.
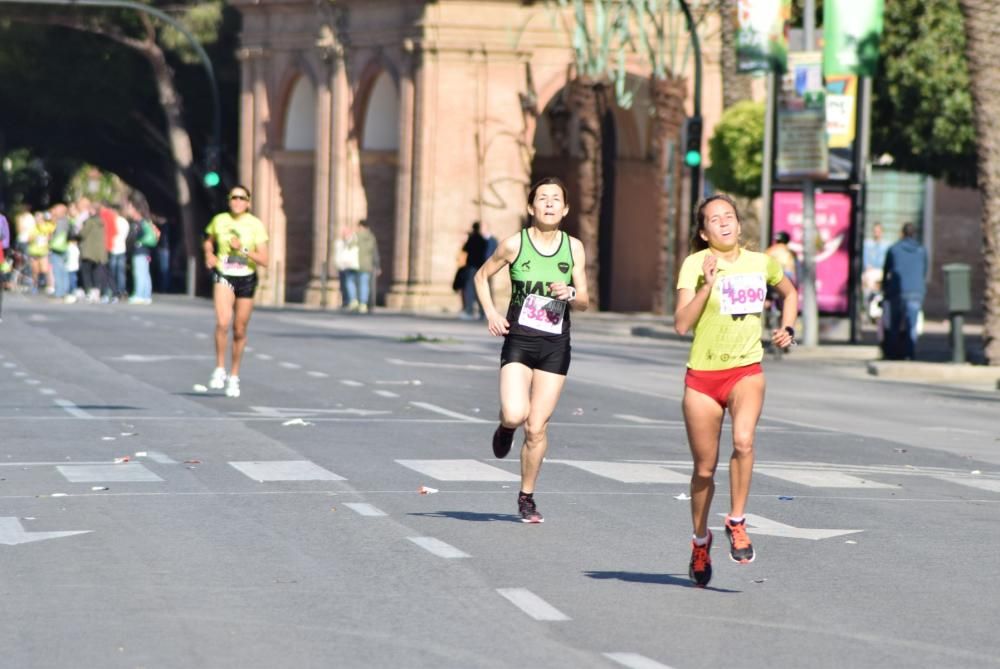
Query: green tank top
{"x": 531, "y": 273}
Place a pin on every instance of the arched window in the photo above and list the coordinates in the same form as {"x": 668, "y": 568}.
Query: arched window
{"x": 300, "y": 119}
{"x": 381, "y": 129}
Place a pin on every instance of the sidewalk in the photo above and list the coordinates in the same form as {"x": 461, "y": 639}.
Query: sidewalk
{"x": 933, "y": 364}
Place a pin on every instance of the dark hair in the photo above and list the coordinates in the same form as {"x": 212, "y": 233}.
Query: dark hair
{"x": 548, "y": 181}
{"x": 363, "y": 222}
{"x": 782, "y": 238}
{"x": 697, "y": 243}
{"x": 909, "y": 230}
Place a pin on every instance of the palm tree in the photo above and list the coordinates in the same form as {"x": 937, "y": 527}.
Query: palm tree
{"x": 983, "y": 52}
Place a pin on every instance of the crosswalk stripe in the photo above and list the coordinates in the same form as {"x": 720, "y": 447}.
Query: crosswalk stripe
{"x": 635, "y": 661}
{"x": 459, "y": 470}
{"x": 993, "y": 485}
{"x": 532, "y": 604}
{"x": 285, "y": 470}
{"x": 447, "y": 412}
{"x": 364, "y": 509}
{"x": 628, "y": 472}
{"x": 439, "y": 548}
{"x": 820, "y": 479}
{"x": 127, "y": 472}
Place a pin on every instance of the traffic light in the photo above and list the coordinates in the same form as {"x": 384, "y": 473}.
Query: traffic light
{"x": 692, "y": 142}
{"x": 211, "y": 178}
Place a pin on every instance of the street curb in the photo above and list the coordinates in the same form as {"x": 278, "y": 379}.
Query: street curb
{"x": 934, "y": 371}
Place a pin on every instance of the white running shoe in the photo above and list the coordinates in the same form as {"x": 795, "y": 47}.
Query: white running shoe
{"x": 233, "y": 387}
{"x": 218, "y": 381}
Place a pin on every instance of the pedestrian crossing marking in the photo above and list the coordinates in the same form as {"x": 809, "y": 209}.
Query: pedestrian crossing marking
{"x": 533, "y": 605}
{"x": 820, "y": 479}
{"x": 126, "y": 472}
{"x": 459, "y": 470}
{"x": 363, "y": 509}
{"x": 285, "y": 470}
{"x": 628, "y": 472}
{"x": 993, "y": 485}
{"x": 439, "y": 548}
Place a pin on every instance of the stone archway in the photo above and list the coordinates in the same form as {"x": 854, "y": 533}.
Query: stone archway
{"x": 295, "y": 168}
{"x": 379, "y": 158}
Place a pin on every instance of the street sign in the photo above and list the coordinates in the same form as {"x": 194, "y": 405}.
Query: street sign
{"x": 802, "y": 143}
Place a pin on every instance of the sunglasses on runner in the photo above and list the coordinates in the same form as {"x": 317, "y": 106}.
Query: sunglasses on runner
{"x": 239, "y": 197}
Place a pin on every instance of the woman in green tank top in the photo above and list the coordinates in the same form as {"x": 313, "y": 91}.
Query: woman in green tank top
{"x": 547, "y": 279}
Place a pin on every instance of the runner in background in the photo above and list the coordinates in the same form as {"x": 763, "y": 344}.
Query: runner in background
{"x": 721, "y": 291}
{"x": 235, "y": 244}
{"x": 547, "y": 277}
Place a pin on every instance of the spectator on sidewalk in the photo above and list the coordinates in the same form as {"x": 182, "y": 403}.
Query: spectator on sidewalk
{"x": 475, "y": 255}
{"x": 368, "y": 266}
{"x": 904, "y": 287}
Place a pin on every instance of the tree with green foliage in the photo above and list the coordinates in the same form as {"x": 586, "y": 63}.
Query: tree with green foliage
{"x": 157, "y": 109}
{"x": 736, "y": 150}
{"x": 922, "y": 108}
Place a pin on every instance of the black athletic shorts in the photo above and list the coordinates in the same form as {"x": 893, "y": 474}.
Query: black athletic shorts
{"x": 243, "y": 286}
{"x": 548, "y": 354}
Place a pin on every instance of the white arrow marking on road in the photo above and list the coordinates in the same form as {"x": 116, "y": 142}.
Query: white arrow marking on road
{"x": 446, "y": 412}
{"x": 140, "y": 357}
{"x": 13, "y": 533}
{"x": 761, "y": 525}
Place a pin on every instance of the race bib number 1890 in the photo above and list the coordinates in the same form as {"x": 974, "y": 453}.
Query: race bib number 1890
{"x": 542, "y": 313}
{"x": 742, "y": 293}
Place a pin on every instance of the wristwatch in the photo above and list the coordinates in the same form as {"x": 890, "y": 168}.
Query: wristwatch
{"x": 572, "y": 293}
{"x": 790, "y": 330}
{"x": 245, "y": 251}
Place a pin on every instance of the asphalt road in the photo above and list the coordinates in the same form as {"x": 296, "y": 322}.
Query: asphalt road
{"x": 285, "y": 528}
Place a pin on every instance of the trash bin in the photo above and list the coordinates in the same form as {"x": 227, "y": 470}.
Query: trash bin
{"x": 958, "y": 294}
{"x": 958, "y": 287}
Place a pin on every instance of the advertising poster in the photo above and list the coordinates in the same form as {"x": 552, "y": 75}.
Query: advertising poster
{"x": 761, "y": 37}
{"x": 833, "y": 257}
{"x": 802, "y": 151}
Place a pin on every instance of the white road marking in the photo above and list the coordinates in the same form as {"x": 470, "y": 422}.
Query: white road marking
{"x": 162, "y": 458}
{"x": 438, "y": 365}
{"x": 318, "y": 375}
{"x": 820, "y": 479}
{"x": 13, "y": 533}
{"x": 291, "y": 365}
{"x": 285, "y": 470}
{"x": 533, "y": 605}
{"x": 414, "y": 382}
{"x": 628, "y": 472}
{"x": 459, "y": 470}
{"x": 438, "y": 547}
{"x": 351, "y": 382}
{"x": 10, "y": 365}
{"x": 127, "y": 472}
{"x": 385, "y": 393}
{"x": 141, "y": 357}
{"x": 445, "y": 412}
{"x": 46, "y": 391}
{"x": 635, "y": 661}
{"x": 760, "y": 525}
{"x": 992, "y": 485}
{"x": 646, "y": 421}
{"x": 264, "y": 356}
{"x": 32, "y": 382}
{"x": 292, "y": 412}
{"x": 72, "y": 409}
{"x": 364, "y": 509}
{"x": 20, "y": 375}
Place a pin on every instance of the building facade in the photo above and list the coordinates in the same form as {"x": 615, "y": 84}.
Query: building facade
{"x": 423, "y": 117}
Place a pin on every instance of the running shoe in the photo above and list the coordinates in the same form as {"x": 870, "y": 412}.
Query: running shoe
{"x": 218, "y": 381}
{"x": 233, "y": 387}
{"x": 740, "y": 548}
{"x": 529, "y": 512}
{"x": 700, "y": 570}
{"x": 503, "y": 438}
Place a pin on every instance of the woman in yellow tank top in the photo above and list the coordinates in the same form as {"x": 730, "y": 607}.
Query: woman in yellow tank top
{"x": 721, "y": 290}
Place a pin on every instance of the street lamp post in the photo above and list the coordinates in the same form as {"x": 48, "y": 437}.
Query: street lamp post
{"x": 695, "y": 169}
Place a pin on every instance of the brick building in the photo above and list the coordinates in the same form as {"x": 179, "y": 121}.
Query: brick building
{"x": 423, "y": 117}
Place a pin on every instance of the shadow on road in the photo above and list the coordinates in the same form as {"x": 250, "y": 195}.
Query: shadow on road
{"x": 475, "y": 517}
{"x": 655, "y": 579}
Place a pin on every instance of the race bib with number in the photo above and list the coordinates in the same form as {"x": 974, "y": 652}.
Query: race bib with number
{"x": 542, "y": 313}
{"x": 235, "y": 265}
{"x": 742, "y": 293}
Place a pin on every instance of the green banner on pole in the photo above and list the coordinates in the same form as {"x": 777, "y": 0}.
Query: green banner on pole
{"x": 851, "y": 31}
{"x": 761, "y": 37}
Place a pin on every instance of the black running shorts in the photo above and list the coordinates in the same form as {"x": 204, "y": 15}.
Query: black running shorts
{"x": 243, "y": 286}
{"x": 547, "y": 354}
